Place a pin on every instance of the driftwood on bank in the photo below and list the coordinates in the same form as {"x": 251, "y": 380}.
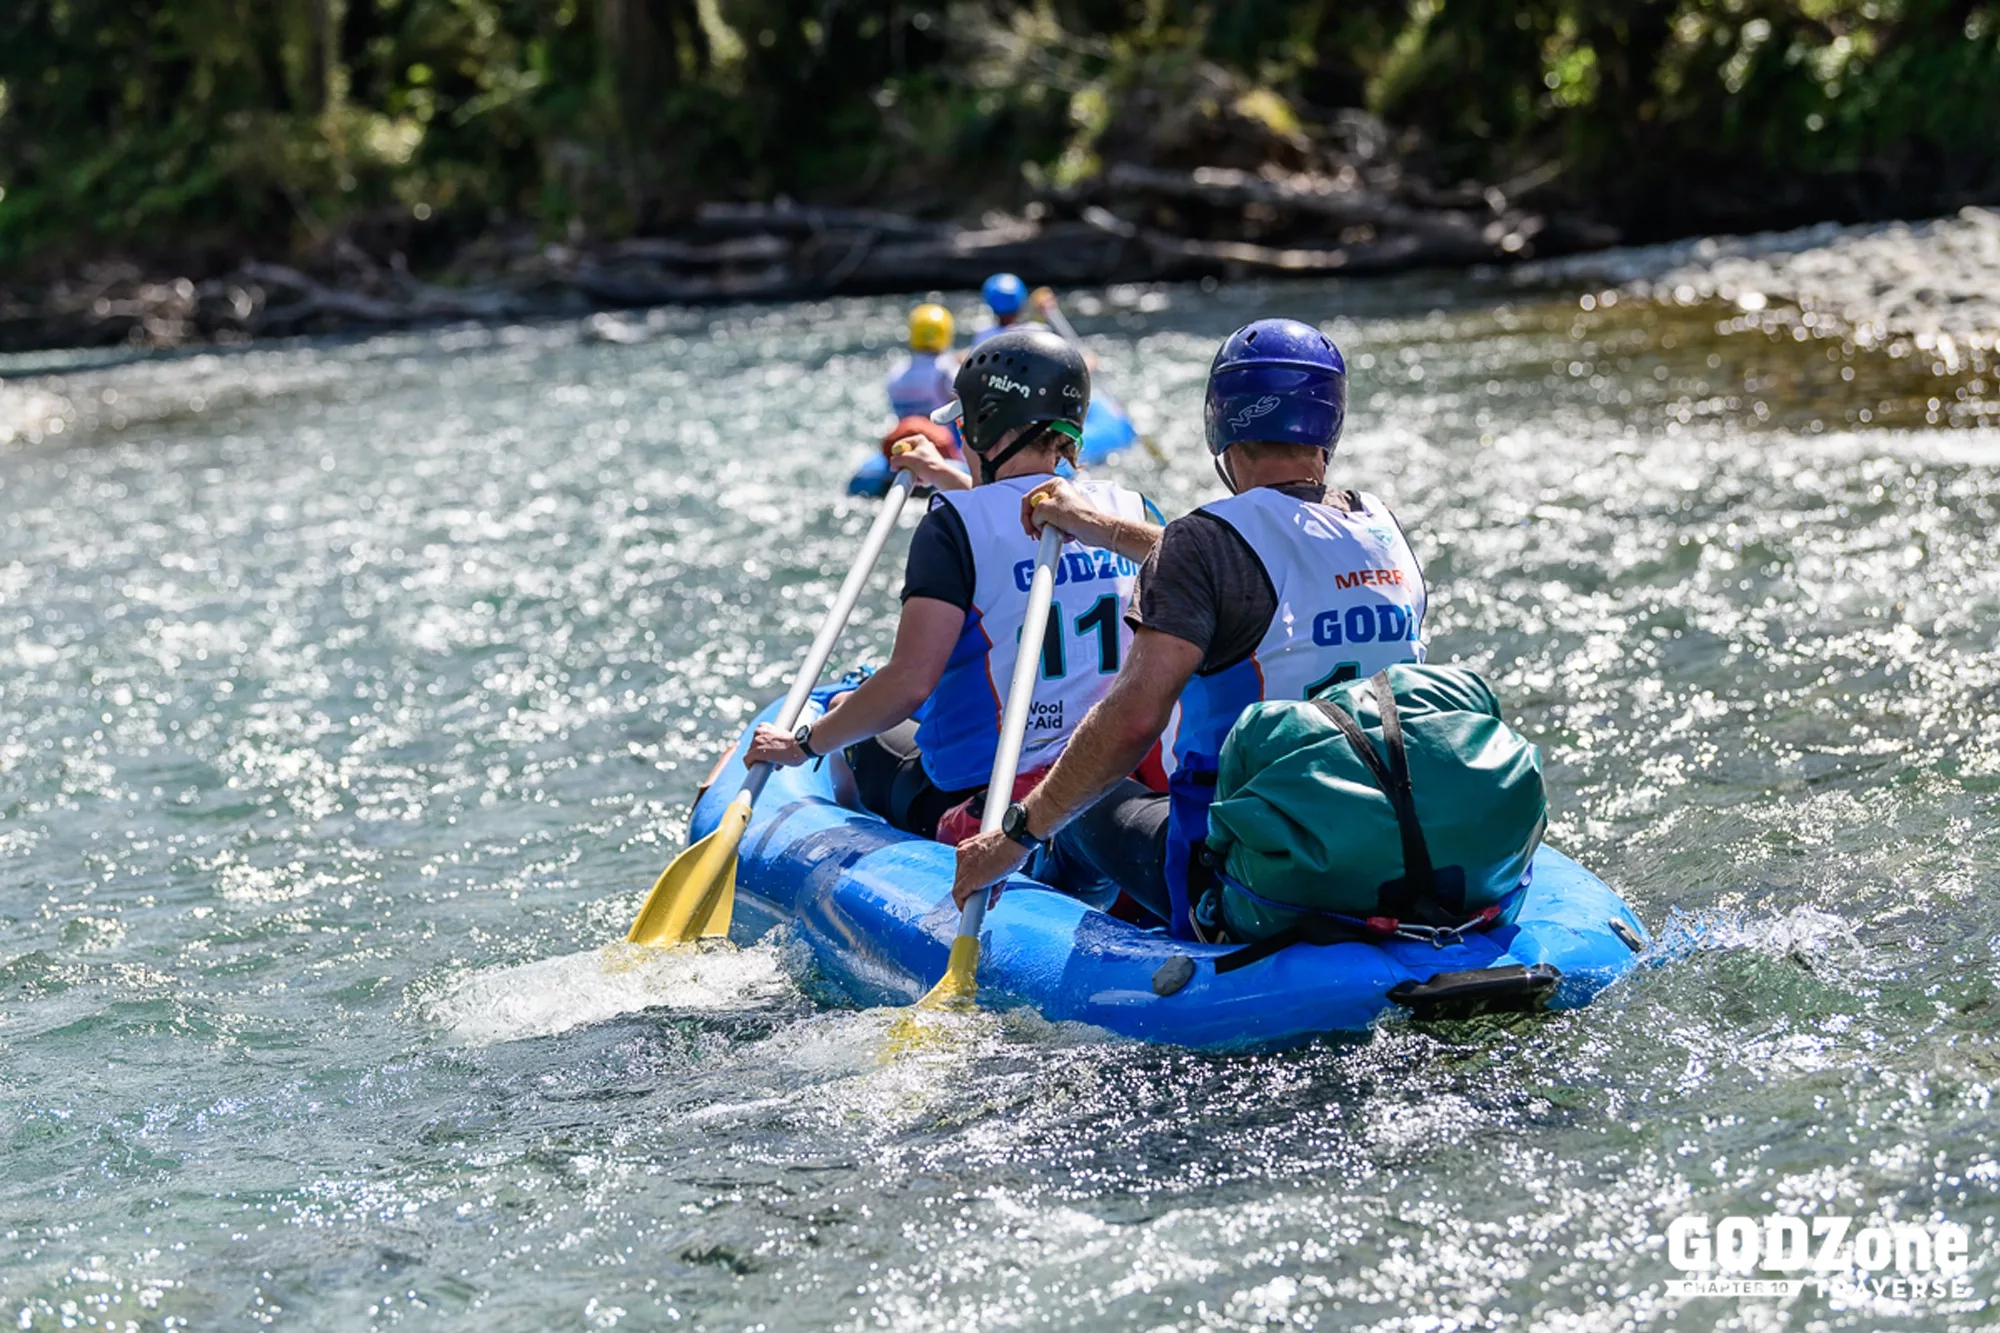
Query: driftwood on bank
{"x": 1131, "y": 223}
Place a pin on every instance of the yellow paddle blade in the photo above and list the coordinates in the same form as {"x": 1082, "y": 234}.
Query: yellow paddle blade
{"x": 914, "y": 1030}
{"x": 960, "y": 982}
{"x": 695, "y": 895}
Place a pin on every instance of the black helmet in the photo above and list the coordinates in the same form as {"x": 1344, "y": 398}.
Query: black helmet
{"x": 1018, "y": 378}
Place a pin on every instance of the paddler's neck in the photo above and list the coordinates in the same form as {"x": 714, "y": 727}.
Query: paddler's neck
{"x": 1254, "y": 465}
{"x": 1036, "y": 461}
{"x": 1028, "y": 463}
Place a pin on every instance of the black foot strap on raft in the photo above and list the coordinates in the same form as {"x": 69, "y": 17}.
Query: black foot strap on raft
{"x": 1317, "y": 929}
{"x": 1486, "y": 990}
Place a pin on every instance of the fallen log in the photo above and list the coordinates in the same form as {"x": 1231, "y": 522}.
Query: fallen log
{"x": 1325, "y": 197}
{"x": 1311, "y": 194}
{"x": 782, "y": 220}
{"x": 625, "y": 290}
{"x": 756, "y": 248}
{"x": 1053, "y": 252}
{"x": 315, "y": 304}
{"x": 1183, "y": 257}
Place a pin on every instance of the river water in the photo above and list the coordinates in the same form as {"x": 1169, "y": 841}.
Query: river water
{"x": 352, "y": 693}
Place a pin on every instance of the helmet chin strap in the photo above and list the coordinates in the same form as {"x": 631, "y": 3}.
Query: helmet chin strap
{"x": 990, "y": 465}
{"x": 989, "y": 468}
{"x": 1222, "y": 471}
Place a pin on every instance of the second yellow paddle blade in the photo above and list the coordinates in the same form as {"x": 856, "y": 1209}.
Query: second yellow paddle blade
{"x": 696, "y": 894}
{"x": 914, "y": 1031}
{"x": 960, "y": 982}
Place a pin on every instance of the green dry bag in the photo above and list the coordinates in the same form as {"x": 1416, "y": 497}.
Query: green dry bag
{"x": 1403, "y": 796}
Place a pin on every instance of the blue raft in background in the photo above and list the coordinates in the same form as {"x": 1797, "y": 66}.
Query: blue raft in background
{"x": 1106, "y": 430}
{"x": 873, "y": 906}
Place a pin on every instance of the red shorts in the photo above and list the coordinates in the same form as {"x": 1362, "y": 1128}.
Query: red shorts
{"x": 959, "y": 823}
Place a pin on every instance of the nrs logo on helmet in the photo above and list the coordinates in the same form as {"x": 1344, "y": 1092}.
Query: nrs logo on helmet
{"x": 1263, "y": 407}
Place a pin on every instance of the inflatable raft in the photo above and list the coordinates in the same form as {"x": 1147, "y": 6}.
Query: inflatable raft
{"x": 1106, "y": 431}
{"x": 873, "y": 907}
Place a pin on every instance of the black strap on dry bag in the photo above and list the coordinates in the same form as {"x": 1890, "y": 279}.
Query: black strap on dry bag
{"x": 1411, "y": 896}
{"x": 1400, "y": 897}
{"x": 1412, "y": 906}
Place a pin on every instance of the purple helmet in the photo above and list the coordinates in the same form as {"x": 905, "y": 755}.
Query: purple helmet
{"x": 1280, "y": 381}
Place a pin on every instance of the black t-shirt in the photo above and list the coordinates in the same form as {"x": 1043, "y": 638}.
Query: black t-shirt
{"x": 940, "y": 560}
{"x": 1204, "y": 584}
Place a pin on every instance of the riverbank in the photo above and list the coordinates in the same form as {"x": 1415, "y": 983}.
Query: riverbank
{"x": 1924, "y": 286}
{"x": 1135, "y": 224}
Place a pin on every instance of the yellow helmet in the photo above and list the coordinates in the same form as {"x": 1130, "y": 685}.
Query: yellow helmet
{"x": 930, "y": 329}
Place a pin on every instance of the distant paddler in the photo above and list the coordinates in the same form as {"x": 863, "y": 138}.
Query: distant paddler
{"x": 1015, "y": 307}
{"x": 922, "y": 383}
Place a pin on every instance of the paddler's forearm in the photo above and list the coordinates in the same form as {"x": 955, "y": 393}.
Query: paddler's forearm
{"x": 1130, "y": 537}
{"x": 872, "y": 707}
{"x": 1104, "y": 749}
{"x": 1115, "y": 735}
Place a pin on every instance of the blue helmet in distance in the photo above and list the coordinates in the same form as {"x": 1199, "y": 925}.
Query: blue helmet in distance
{"x": 1279, "y": 381}
{"x": 1004, "y": 293}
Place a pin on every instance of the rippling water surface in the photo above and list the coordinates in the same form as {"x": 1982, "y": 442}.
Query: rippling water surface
{"x": 352, "y": 694}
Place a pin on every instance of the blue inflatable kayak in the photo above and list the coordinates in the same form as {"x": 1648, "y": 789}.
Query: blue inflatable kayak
{"x": 1106, "y": 430}
{"x": 873, "y": 907}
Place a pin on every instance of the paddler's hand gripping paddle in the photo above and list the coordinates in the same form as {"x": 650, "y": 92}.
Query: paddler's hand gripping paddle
{"x": 695, "y": 894}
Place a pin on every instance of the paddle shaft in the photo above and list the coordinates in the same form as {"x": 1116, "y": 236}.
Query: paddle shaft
{"x": 695, "y": 893}
{"x": 844, "y": 600}
{"x": 1014, "y": 717}
{"x": 1060, "y": 323}
{"x": 835, "y": 622}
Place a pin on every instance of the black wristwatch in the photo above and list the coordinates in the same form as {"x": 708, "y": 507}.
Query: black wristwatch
{"x": 804, "y": 735}
{"x": 1014, "y": 823}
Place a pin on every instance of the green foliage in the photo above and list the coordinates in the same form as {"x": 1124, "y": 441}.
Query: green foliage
{"x": 172, "y": 124}
{"x": 1704, "y": 113}
{"x": 179, "y": 125}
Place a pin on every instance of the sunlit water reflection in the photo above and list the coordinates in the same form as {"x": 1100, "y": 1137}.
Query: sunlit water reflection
{"x": 352, "y": 694}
